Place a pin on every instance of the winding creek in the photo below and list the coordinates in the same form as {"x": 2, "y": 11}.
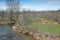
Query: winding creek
{"x": 6, "y": 34}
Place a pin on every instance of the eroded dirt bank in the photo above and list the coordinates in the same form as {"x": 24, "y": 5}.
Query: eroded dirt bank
{"x": 34, "y": 34}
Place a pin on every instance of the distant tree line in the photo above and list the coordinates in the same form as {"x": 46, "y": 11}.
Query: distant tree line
{"x": 55, "y": 15}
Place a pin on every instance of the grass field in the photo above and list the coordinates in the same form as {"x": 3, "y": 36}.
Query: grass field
{"x": 47, "y": 28}
{"x": 52, "y": 28}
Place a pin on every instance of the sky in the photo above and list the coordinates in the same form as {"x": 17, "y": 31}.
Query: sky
{"x": 35, "y": 5}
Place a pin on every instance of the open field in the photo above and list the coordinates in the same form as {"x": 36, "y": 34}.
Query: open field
{"x": 44, "y": 27}
{"x": 37, "y": 30}
{"x": 47, "y": 28}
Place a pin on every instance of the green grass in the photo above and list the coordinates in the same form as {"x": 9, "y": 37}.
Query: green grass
{"x": 47, "y": 28}
{"x": 52, "y": 28}
{"x": 39, "y": 19}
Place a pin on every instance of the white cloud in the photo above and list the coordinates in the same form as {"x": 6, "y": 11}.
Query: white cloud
{"x": 2, "y": 7}
{"x": 38, "y": 8}
{"x": 29, "y": 7}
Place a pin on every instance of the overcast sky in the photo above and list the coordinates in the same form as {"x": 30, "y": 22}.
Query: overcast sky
{"x": 37, "y": 5}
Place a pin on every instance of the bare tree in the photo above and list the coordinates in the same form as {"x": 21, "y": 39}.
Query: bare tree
{"x": 13, "y": 9}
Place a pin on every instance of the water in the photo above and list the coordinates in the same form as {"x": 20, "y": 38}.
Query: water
{"x": 6, "y": 34}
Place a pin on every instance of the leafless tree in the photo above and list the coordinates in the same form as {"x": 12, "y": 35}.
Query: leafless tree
{"x": 13, "y": 7}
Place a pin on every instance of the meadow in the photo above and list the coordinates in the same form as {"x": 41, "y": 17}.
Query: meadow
{"x": 44, "y": 25}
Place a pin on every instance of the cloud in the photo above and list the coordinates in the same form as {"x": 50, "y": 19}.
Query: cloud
{"x": 39, "y": 8}
{"x": 37, "y": 5}
{"x": 56, "y": 2}
{"x": 2, "y": 6}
